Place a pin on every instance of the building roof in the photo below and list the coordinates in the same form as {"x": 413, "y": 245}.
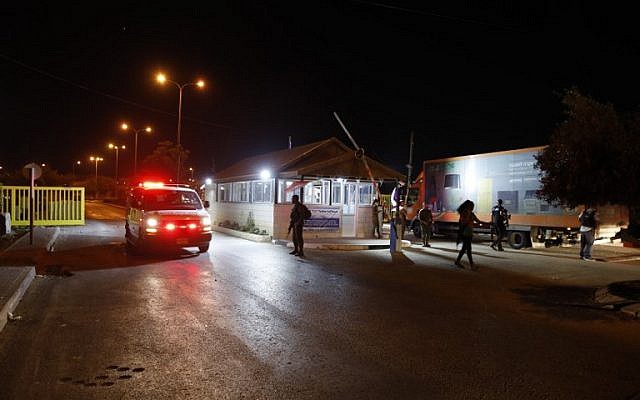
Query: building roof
{"x": 326, "y": 158}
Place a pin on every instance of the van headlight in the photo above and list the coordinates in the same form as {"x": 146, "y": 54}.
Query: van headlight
{"x": 206, "y": 223}
{"x": 151, "y": 222}
{"x": 152, "y": 225}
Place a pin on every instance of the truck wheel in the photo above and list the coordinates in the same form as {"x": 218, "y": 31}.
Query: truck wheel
{"x": 517, "y": 239}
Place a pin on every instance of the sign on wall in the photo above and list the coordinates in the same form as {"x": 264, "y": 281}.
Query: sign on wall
{"x": 323, "y": 218}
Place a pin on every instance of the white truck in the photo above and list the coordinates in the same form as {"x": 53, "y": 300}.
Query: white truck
{"x": 508, "y": 175}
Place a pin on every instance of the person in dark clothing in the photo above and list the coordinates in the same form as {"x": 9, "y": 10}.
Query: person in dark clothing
{"x": 376, "y": 217}
{"x": 467, "y": 218}
{"x": 500, "y": 222}
{"x": 296, "y": 224}
{"x": 589, "y": 224}
{"x": 426, "y": 222}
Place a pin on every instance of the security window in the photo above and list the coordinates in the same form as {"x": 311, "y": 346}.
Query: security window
{"x": 262, "y": 192}
{"x": 224, "y": 192}
{"x": 452, "y": 181}
{"x": 241, "y": 192}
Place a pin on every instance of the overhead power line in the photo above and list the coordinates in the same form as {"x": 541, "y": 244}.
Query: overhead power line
{"x": 104, "y": 94}
{"x": 432, "y": 14}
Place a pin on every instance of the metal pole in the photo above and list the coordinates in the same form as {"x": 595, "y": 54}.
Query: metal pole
{"x": 31, "y": 206}
{"x": 135, "y": 156}
{"x": 409, "y": 168}
{"x": 117, "y": 164}
{"x": 179, "y": 123}
{"x": 96, "y": 178}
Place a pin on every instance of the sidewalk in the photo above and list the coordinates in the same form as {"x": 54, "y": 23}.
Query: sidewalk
{"x": 17, "y": 267}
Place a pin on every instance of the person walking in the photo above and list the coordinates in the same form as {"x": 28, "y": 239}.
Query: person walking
{"x": 465, "y": 226}
{"x": 426, "y": 223}
{"x": 376, "y": 217}
{"x": 296, "y": 223}
{"x": 500, "y": 222}
{"x": 589, "y": 223}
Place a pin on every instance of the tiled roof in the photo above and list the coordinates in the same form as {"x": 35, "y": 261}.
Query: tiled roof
{"x": 325, "y": 158}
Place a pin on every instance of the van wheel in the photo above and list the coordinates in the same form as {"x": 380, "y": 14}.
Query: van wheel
{"x": 517, "y": 239}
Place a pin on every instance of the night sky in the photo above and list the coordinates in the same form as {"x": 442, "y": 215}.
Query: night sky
{"x": 466, "y": 78}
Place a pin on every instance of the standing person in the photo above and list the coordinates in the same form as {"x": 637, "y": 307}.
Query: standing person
{"x": 467, "y": 218}
{"x": 500, "y": 222}
{"x": 376, "y": 216}
{"x": 426, "y": 222}
{"x": 589, "y": 222}
{"x": 296, "y": 223}
{"x": 402, "y": 220}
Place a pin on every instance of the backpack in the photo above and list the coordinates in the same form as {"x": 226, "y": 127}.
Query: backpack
{"x": 306, "y": 213}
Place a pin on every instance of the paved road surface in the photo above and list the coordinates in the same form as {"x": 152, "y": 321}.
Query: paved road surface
{"x": 246, "y": 320}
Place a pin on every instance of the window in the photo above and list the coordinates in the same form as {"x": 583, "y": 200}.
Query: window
{"x": 365, "y": 190}
{"x": 240, "y": 192}
{"x": 224, "y": 192}
{"x": 262, "y": 192}
{"x": 336, "y": 195}
{"x": 452, "y": 181}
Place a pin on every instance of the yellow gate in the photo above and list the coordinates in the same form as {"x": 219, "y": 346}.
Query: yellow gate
{"x": 51, "y": 205}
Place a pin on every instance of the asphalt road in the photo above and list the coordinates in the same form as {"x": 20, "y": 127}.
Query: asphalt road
{"x": 247, "y": 320}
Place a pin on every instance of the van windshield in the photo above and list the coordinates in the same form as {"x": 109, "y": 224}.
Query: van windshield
{"x": 170, "y": 200}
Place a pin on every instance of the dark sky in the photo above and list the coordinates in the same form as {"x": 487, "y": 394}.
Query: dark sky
{"x": 466, "y": 78}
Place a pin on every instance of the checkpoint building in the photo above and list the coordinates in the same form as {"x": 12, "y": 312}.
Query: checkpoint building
{"x": 330, "y": 178}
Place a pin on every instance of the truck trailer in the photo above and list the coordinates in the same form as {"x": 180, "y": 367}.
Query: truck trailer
{"x": 511, "y": 176}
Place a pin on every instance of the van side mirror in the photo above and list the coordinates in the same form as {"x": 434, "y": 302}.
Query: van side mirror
{"x": 206, "y": 204}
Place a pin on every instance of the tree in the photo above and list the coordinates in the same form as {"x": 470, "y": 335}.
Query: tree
{"x": 592, "y": 156}
{"x": 163, "y": 162}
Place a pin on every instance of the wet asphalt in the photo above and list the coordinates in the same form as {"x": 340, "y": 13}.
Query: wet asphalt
{"x": 247, "y": 320}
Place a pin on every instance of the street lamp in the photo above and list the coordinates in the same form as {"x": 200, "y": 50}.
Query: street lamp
{"x": 116, "y": 148}
{"x": 96, "y": 159}
{"x": 147, "y": 129}
{"x": 73, "y": 169}
{"x": 162, "y": 79}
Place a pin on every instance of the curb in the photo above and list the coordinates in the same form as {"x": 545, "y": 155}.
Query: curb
{"x": 15, "y": 298}
{"x": 337, "y": 246}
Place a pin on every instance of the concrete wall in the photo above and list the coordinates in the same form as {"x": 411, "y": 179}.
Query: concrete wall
{"x": 239, "y": 212}
{"x": 281, "y": 223}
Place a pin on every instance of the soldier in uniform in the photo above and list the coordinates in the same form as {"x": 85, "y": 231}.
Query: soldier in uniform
{"x": 426, "y": 221}
{"x": 500, "y": 222}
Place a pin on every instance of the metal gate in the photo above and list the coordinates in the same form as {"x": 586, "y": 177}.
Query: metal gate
{"x": 51, "y": 205}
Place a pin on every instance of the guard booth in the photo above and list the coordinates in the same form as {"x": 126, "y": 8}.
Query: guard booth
{"x": 327, "y": 175}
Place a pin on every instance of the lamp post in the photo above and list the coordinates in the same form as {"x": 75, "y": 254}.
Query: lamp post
{"x": 73, "y": 169}
{"x": 116, "y": 148}
{"x": 161, "y": 78}
{"x": 96, "y": 159}
{"x": 147, "y": 129}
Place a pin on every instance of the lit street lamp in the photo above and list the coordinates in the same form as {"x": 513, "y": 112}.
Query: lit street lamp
{"x": 147, "y": 129}
{"x": 73, "y": 169}
{"x": 116, "y": 148}
{"x": 96, "y": 159}
{"x": 161, "y": 78}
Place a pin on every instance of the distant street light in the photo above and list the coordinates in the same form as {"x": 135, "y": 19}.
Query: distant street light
{"x": 96, "y": 159}
{"x": 147, "y": 129}
{"x": 162, "y": 79}
{"x": 116, "y": 148}
{"x": 73, "y": 169}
